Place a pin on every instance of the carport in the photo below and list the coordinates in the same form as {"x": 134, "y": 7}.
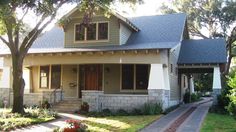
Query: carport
{"x": 202, "y": 56}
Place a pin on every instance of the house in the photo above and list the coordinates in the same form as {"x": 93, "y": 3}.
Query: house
{"x": 117, "y": 62}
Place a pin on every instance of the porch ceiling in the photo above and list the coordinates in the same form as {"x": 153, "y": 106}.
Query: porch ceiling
{"x": 195, "y": 70}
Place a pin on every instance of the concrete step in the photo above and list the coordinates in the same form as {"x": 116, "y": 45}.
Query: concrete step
{"x": 67, "y": 106}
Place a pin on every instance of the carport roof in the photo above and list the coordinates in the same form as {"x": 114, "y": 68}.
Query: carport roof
{"x": 204, "y": 51}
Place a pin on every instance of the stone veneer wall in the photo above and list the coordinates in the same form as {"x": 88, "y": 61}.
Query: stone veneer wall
{"x": 97, "y": 100}
{"x": 31, "y": 99}
{"x": 215, "y": 94}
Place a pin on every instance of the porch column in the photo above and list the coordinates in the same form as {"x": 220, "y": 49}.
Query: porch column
{"x": 159, "y": 86}
{"x": 191, "y": 85}
{"x": 26, "y": 76}
{"x": 216, "y": 84}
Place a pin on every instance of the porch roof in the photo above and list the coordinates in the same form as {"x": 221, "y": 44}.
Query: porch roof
{"x": 205, "y": 51}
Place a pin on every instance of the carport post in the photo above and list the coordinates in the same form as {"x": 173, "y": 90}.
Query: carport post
{"x": 216, "y": 84}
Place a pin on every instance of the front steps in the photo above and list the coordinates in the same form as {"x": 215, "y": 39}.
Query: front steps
{"x": 67, "y": 106}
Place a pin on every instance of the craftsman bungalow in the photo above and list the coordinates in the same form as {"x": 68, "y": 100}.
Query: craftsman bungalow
{"x": 116, "y": 62}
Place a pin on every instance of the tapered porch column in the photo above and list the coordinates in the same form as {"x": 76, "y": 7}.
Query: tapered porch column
{"x": 191, "y": 85}
{"x": 159, "y": 86}
{"x": 216, "y": 84}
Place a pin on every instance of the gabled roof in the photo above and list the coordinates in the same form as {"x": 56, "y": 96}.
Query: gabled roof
{"x": 156, "y": 32}
{"x": 205, "y": 51}
{"x": 113, "y": 12}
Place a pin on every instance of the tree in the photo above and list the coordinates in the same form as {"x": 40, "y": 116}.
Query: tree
{"x": 14, "y": 34}
{"x": 217, "y": 17}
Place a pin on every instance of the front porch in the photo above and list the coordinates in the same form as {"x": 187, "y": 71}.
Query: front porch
{"x": 113, "y": 86}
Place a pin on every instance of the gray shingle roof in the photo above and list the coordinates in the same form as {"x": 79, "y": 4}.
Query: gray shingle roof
{"x": 161, "y": 28}
{"x": 202, "y": 51}
{"x": 156, "y": 32}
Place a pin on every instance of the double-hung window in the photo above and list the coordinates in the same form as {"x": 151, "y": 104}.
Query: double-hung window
{"x": 135, "y": 77}
{"x": 50, "y": 76}
{"x": 97, "y": 31}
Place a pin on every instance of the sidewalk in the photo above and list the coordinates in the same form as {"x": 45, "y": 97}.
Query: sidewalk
{"x": 191, "y": 124}
{"x": 49, "y": 126}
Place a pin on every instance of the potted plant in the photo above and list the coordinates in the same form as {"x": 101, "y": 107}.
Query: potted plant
{"x": 85, "y": 107}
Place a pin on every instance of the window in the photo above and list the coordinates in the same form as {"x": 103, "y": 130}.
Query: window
{"x": 50, "y": 74}
{"x": 79, "y": 32}
{"x": 127, "y": 77}
{"x": 142, "y": 75}
{"x": 44, "y": 76}
{"x": 55, "y": 76}
{"x": 135, "y": 77}
{"x": 93, "y": 32}
{"x": 171, "y": 68}
{"x": 102, "y": 31}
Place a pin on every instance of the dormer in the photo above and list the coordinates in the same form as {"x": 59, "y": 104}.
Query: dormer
{"x": 102, "y": 30}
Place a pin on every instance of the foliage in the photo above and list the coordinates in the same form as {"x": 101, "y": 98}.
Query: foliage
{"x": 1, "y": 104}
{"x": 232, "y": 96}
{"x": 84, "y": 107}
{"x": 9, "y": 120}
{"x": 217, "y": 17}
{"x": 152, "y": 108}
{"x": 218, "y": 123}
{"x": 203, "y": 82}
{"x": 122, "y": 112}
{"x": 72, "y": 126}
{"x": 46, "y": 104}
{"x": 194, "y": 97}
{"x": 136, "y": 111}
{"x": 119, "y": 123}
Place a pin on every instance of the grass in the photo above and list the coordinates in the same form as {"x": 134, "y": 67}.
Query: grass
{"x": 219, "y": 123}
{"x": 9, "y": 121}
{"x": 119, "y": 123}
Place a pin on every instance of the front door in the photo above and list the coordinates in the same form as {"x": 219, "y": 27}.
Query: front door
{"x": 90, "y": 77}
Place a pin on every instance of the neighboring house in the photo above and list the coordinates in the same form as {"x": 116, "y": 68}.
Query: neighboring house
{"x": 117, "y": 62}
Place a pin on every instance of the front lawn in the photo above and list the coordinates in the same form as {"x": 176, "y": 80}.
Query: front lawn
{"x": 219, "y": 123}
{"x": 9, "y": 121}
{"x": 119, "y": 123}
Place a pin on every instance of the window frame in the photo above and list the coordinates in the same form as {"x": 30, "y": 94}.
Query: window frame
{"x": 85, "y": 33}
{"x": 134, "y": 80}
{"x": 49, "y": 87}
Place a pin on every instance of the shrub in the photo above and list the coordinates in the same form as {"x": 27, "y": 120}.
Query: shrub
{"x": 232, "y": 96}
{"x": 84, "y": 107}
{"x": 107, "y": 112}
{"x": 46, "y": 104}
{"x": 136, "y": 111}
{"x": 187, "y": 97}
{"x": 1, "y": 104}
{"x": 152, "y": 108}
{"x": 122, "y": 112}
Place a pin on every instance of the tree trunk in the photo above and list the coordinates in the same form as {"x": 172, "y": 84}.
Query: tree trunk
{"x": 228, "y": 64}
{"x": 18, "y": 84}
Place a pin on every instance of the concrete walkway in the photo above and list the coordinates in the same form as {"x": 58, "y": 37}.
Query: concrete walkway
{"x": 49, "y": 126}
{"x": 191, "y": 124}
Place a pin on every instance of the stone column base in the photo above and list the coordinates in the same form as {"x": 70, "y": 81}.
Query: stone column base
{"x": 160, "y": 95}
{"x": 215, "y": 94}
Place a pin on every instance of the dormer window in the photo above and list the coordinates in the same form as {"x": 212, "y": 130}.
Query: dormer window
{"x": 97, "y": 31}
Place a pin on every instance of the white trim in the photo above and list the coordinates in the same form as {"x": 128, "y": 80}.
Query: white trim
{"x": 85, "y": 33}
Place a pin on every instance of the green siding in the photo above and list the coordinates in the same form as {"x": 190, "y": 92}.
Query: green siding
{"x": 77, "y": 17}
